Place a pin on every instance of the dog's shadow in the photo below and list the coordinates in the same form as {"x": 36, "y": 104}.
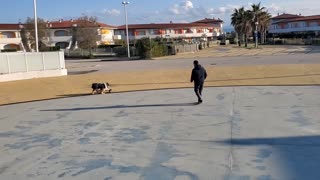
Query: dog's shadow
{"x": 75, "y": 95}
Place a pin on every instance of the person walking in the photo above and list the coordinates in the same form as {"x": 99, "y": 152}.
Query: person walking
{"x": 198, "y": 76}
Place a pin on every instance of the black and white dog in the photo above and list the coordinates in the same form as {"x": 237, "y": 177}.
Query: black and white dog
{"x": 100, "y": 88}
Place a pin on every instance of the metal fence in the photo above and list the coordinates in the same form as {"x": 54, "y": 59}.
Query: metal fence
{"x": 295, "y": 41}
{"x": 26, "y": 62}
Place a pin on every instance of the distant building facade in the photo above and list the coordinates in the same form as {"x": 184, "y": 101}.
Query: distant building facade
{"x": 290, "y": 23}
{"x": 10, "y": 37}
{"x": 60, "y": 32}
{"x": 202, "y": 29}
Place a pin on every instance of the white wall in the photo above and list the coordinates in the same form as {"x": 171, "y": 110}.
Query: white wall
{"x": 18, "y": 66}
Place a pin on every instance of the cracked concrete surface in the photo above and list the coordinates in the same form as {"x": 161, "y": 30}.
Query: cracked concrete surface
{"x": 238, "y": 133}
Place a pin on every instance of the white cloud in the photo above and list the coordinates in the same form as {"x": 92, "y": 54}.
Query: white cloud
{"x": 181, "y": 8}
{"x": 174, "y": 10}
{"x": 187, "y": 5}
{"x": 111, "y": 12}
{"x": 192, "y": 10}
{"x": 221, "y": 10}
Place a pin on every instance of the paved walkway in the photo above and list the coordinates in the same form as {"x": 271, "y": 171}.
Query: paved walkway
{"x": 301, "y": 67}
{"x": 242, "y": 133}
{"x": 80, "y": 85}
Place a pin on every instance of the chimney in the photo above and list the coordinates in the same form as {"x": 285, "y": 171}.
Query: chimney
{"x": 278, "y": 14}
{"x": 170, "y": 22}
{"x": 60, "y": 20}
{"x": 299, "y": 14}
{"x": 71, "y": 20}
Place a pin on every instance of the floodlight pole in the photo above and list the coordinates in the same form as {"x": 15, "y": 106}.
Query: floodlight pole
{"x": 256, "y": 33}
{"x": 125, "y": 3}
{"x": 36, "y": 24}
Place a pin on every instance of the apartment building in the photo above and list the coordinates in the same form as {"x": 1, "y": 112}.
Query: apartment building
{"x": 10, "y": 37}
{"x": 290, "y": 23}
{"x": 60, "y": 32}
{"x": 204, "y": 29}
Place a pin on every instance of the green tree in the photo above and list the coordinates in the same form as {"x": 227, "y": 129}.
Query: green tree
{"x": 241, "y": 19}
{"x": 262, "y": 17}
{"x": 144, "y": 46}
{"x": 236, "y": 23}
{"x": 244, "y": 21}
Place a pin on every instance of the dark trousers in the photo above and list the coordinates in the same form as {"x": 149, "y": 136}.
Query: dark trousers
{"x": 198, "y": 87}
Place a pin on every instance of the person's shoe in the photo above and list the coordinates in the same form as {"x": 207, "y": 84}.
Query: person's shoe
{"x": 200, "y": 101}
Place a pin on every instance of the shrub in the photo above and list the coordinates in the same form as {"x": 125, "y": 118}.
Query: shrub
{"x": 120, "y": 51}
{"x": 8, "y": 50}
{"x": 54, "y": 48}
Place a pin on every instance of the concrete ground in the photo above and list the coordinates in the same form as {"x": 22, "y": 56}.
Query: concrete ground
{"x": 238, "y": 133}
{"x": 269, "y": 65}
{"x": 261, "y": 132}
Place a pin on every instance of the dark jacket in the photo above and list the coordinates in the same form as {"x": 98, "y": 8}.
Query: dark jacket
{"x": 198, "y": 75}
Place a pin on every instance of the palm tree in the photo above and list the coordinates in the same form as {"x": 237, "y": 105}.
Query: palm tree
{"x": 235, "y": 22}
{"x": 265, "y": 22}
{"x": 262, "y": 17}
{"x": 244, "y": 21}
{"x": 247, "y": 26}
{"x": 241, "y": 20}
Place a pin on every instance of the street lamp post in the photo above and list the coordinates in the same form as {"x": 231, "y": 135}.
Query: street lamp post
{"x": 256, "y": 33}
{"x": 36, "y": 24}
{"x": 125, "y": 3}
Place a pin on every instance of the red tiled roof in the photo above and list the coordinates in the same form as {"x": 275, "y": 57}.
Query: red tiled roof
{"x": 9, "y": 27}
{"x": 305, "y": 18}
{"x": 208, "y": 20}
{"x": 70, "y": 23}
{"x": 166, "y": 25}
{"x": 300, "y": 18}
{"x": 287, "y": 16}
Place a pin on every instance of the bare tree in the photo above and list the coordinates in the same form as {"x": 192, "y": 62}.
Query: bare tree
{"x": 28, "y": 33}
{"x": 86, "y": 32}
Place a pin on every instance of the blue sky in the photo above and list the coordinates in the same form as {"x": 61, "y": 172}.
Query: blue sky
{"x": 146, "y": 11}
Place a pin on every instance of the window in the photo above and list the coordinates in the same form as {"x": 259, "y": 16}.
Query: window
{"x": 302, "y": 24}
{"x": 178, "y": 31}
{"x": 12, "y": 46}
{"x": 61, "y": 33}
{"x": 199, "y": 30}
{"x": 313, "y": 24}
{"x": 62, "y": 45}
{"x": 140, "y": 33}
{"x": 8, "y": 35}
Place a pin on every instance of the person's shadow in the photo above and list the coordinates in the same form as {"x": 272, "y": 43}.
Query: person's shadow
{"x": 123, "y": 106}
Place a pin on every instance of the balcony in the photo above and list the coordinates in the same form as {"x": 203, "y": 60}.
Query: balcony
{"x": 60, "y": 39}
{"x": 295, "y": 29}
{"x": 10, "y": 40}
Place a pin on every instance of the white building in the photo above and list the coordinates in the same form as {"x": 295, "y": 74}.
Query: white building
{"x": 203, "y": 29}
{"x": 60, "y": 33}
{"x": 10, "y": 37}
{"x": 290, "y": 23}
